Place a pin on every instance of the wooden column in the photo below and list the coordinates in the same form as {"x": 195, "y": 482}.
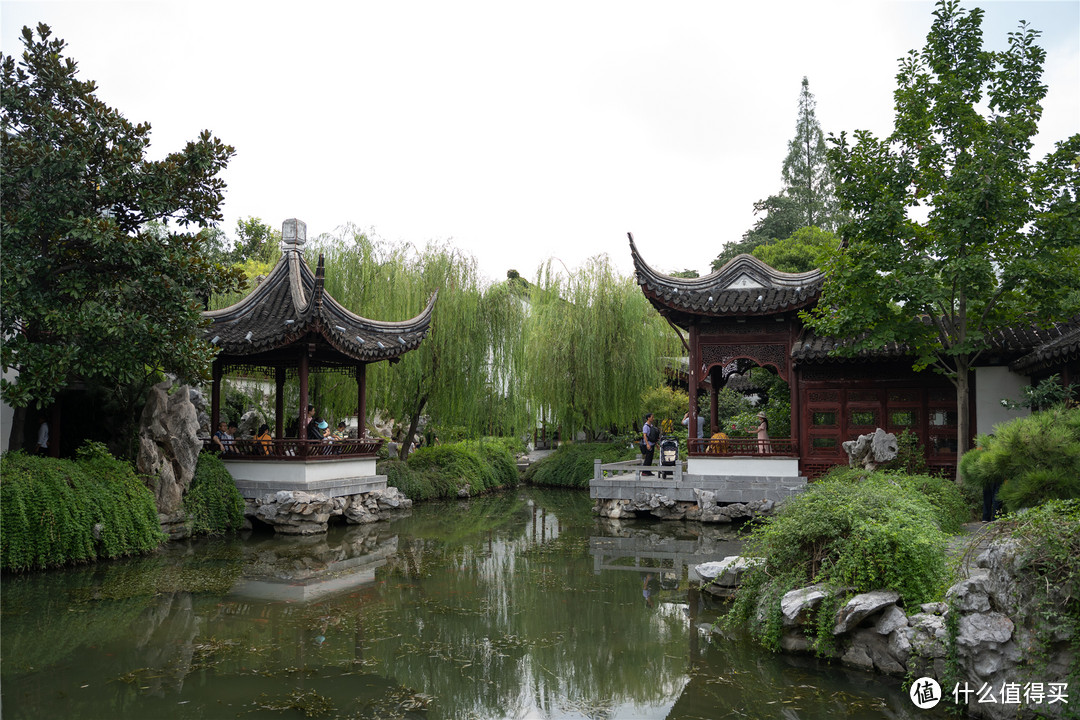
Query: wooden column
{"x": 694, "y": 369}
{"x": 279, "y": 403}
{"x": 301, "y": 431}
{"x": 714, "y": 399}
{"x": 361, "y": 399}
{"x": 796, "y": 395}
{"x": 215, "y": 397}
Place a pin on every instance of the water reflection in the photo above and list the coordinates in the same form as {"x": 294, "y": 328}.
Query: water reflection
{"x": 517, "y": 606}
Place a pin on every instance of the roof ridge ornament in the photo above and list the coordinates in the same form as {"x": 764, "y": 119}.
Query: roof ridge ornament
{"x": 293, "y": 235}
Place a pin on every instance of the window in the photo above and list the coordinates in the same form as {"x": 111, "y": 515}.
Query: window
{"x": 863, "y": 417}
{"x": 904, "y": 418}
{"x": 943, "y": 418}
{"x": 823, "y": 417}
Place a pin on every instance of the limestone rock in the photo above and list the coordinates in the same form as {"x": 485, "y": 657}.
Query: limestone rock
{"x": 869, "y": 451}
{"x": 861, "y": 607}
{"x": 981, "y": 628}
{"x": 796, "y": 605}
{"x": 891, "y": 619}
{"x": 169, "y": 445}
{"x": 970, "y": 595}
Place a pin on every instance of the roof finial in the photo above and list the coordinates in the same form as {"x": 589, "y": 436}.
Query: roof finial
{"x": 293, "y": 234}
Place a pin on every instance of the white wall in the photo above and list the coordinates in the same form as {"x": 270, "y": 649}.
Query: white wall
{"x": 991, "y": 385}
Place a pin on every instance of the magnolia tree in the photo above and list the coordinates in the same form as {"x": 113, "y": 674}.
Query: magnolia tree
{"x": 99, "y": 286}
{"x": 954, "y": 230}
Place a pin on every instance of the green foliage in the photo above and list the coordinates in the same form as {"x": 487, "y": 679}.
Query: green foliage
{"x": 1033, "y": 459}
{"x": 467, "y": 372}
{"x": 439, "y": 471}
{"x": 592, "y": 344}
{"x": 910, "y": 455}
{"x": 1043, "y": 396}
{"x": 49, "y": 509}
{"x": 213, "y": 504}
{"x": 805, "y": 249}
{"x": 666, "y": 404}
{"x": 92, "y": 291}
{"x": 852, "y": 532}
{"x": 997, "y": 245}
{"x": 571, "y": 465}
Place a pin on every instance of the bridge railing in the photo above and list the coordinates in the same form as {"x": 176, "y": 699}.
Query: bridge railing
{"x": 634, "y": 468}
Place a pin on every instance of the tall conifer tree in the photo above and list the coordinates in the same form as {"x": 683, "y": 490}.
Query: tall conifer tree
{"x": 807, "y": 177}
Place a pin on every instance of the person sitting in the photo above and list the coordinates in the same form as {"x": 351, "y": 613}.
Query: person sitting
{"x": 222, "y": 440}
{"x": 718, "y": 443}
{"x": 264, "y": 443}
{"x": 340, "y": 433}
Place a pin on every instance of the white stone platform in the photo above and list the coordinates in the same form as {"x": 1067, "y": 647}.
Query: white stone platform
{"x": 333, "y": 477}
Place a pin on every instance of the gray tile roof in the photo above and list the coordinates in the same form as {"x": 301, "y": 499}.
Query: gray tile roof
{"x": 745, "y": 286}
{"x": 1065, "y": 347}
{"x": 291, "y": 306}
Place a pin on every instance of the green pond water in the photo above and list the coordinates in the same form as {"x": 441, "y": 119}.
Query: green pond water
{"x": 521, "y": 605}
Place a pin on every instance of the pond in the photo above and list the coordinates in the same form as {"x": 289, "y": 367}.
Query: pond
{"x": 520, "y": 605}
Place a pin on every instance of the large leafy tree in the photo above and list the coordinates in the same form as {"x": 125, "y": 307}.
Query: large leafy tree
{"x": 807, "y": 248}
{"x": 466, "y": 373}
{"x": 95, "y": 287}
{"x": 592, "y": 345}
{"x": 954, "y": 231}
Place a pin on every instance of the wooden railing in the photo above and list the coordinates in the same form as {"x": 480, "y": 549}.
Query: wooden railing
{"x": 295, "y": 449}
{"x": 721, "y": 447}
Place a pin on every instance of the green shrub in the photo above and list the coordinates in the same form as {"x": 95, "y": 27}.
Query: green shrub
{"x": 1033, "y": 459}
{"x": 213, "y": 504}
{"x": 572, "y": 464}
{"x": 49, "y": 509}
{"x": 852, "y": 534}
{"x": 438, "y": 471}
{"x": 910, "y": 455}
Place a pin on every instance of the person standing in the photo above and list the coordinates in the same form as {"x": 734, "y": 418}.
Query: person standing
{"x": 764, "y": 446}
{"x": 649, "y": 435}
{"x": 700, "y": 425}
{"x": 42, "y": 447}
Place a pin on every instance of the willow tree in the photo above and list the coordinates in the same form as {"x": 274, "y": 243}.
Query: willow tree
{"x": 465, "y": 359}
{"x": 592, "y": 345}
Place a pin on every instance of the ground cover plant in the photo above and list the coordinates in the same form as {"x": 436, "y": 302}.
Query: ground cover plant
{"x": 56, "y": 512}
{"x": 1032, "y": 459}
{"x": 852, "y": 532}
{"x": 571, "y": 465}
{"x": 213, "y": 504}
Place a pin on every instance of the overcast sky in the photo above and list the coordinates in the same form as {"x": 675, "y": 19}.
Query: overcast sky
{"x": 519, "y": 131}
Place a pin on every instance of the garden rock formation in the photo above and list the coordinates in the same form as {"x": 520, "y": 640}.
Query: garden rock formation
{"x": 293, "y": 512}
{"x": 169, "y": 448}
{"x": 997, "y": 641}
{"x": 705, "y": 510}
{"x": 869, "y": 451}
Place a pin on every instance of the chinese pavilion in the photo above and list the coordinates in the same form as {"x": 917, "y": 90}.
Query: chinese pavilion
{"x": 747, "y": 314}
{"x": 290, "y": 324}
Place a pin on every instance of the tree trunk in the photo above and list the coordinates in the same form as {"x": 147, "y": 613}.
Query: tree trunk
{"x": 963, "y": 409}
{"x": 403, "y": 453}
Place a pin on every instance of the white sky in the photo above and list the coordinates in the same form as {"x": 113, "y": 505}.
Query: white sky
{"x": 517, "y": 130}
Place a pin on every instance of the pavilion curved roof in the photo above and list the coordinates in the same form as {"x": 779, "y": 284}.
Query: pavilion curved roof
{"x": 291, "y": 307}
{"x": 744, "y": 287}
